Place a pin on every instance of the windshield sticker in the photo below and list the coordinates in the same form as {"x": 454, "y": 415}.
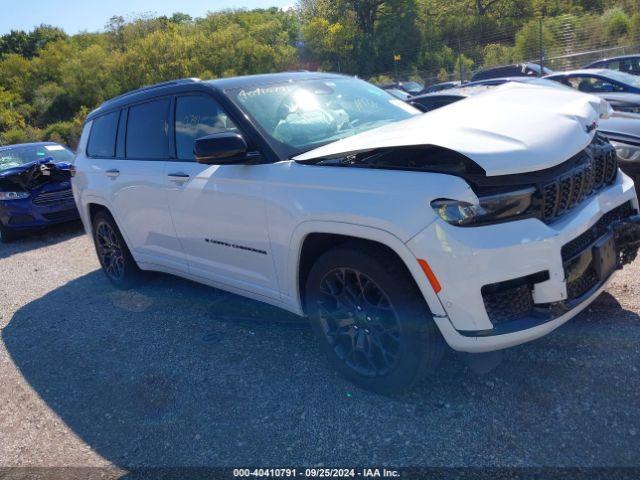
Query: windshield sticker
{"x": 243, "y": 94}
{"x": 53, "y": 148}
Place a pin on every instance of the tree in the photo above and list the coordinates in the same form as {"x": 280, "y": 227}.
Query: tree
{"x": 329, "y": 43}
{"x": 367, "y": 12}
{"x": 9, "y": 117}
{"x": 16, "y": 41}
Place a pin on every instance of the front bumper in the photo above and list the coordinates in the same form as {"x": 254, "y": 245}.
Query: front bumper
{"x": 467, "y": 261}
{"x": 24, "y": 215}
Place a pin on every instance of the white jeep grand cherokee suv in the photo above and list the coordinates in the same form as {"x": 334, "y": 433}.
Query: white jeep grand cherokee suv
{"x": 486, "y": 224}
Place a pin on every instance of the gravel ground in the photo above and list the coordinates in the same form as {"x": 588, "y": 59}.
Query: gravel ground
{"x": 174, "y": 374}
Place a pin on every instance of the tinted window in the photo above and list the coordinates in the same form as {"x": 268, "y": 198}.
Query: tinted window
{"x": 197, "y": 116}
{"x": 122, "y": 126}
{"x": 102, "y": 140}
{"x": 148, "y": 130}
{"x": 593, "y": 85}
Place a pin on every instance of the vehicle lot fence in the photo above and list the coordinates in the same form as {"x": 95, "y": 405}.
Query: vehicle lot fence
{"x": 560, "y": 43}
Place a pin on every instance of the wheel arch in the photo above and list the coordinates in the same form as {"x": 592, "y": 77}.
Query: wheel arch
{"x": 92, "y": 206}
{"x": 312, "y": 239}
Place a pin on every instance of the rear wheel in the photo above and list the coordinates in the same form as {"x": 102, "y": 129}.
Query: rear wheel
{"x": 114, "y": 255}
{"x": 372, "y": 322}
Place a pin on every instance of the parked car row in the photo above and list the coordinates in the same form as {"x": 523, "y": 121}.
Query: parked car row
{"x": 480, "y": 225}
{"x": 622, "y": 128}
{"x": 587, "y": 79}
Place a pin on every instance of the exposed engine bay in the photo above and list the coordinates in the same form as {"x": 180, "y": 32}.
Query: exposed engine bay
{"x": 33, "y": 175}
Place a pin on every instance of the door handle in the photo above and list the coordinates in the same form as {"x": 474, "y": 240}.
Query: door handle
{"x": 178, "y": 177}
{"x": 114, "y": 172}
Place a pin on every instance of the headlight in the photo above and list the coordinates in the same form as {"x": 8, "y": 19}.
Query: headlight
{"x": 626, "y": 152}
{"x": 13, "y": 195}
{"x": 489, "y": 209}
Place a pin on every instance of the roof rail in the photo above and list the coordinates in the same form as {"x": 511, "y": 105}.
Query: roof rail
{"x": 146, "y": 88}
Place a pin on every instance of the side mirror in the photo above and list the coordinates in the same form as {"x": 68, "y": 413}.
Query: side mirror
{"x": 221, "y": 149}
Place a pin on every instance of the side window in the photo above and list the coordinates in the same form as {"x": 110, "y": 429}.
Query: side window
{"x": 630, "y": 65}
{"x": 197, "y": 116}
{"x": 593, "y": 85}
{"x": 148, "y": 130}
{"x": 615, "y": 65}
{"x": 102, "y": 139}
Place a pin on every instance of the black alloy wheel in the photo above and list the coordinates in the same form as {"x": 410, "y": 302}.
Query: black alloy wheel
{"x": 359, "y": 322}
{"x": 114, "y": 255}
{"x": 372, "y": 322}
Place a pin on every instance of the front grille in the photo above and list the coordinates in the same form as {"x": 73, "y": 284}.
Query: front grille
{"x": 20, "y": 219}
{"x": 578, "y": 244}
{"x": 53, "y": 198}
{"x": 558, "y": 189}
{"x": 61, "y": 214}
{"x": 511, "y": 299}
{"x": 596, "y": 167}
{"x": 582, "y": 284}
{"x": 510, "y": 304}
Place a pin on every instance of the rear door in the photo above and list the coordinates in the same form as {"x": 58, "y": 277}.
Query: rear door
{"x": 137, "y": 192}
{"x": 218, "y": 211}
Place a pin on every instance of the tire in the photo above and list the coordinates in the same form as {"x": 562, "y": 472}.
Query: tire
{"x": 114, "y": 255}
{"x": 6, "y": 235}
{"x": 378, "y": 332}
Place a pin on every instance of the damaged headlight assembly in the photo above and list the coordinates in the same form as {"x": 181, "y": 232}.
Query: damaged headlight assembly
{"x": 13, "y": 195}
{"x": 626, "y": 152}
{"x": 489, "y": 209}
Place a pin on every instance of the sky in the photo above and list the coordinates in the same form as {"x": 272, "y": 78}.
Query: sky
{"x": 74, "y": 16}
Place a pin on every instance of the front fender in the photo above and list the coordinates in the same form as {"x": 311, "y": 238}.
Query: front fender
{"x": 306, "y": 228}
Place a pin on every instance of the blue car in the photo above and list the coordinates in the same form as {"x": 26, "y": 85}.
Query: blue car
{"x": 35, "y": 187}
{"x": 598, "y": 81}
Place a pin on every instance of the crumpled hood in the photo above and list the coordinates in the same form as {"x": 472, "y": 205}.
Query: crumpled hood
{"x": 34, "y": 174}
{"x": 513, "y": 128}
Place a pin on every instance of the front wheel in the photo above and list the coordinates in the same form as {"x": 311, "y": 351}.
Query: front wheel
{"x": 114, "y": 255}
{"x": 370, "y": 318}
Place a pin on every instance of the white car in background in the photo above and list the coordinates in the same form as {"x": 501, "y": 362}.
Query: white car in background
{"x": 394, "y": 232}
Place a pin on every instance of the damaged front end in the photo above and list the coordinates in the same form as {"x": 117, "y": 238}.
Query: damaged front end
{"x": 34, "y": 175}
{"x": 34, "y": 195}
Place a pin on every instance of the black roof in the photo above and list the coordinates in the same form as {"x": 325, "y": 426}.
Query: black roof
{"x": 221, "y": 84}
{"x": 249, "y": 81}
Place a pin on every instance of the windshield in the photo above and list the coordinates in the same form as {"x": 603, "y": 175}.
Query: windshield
{"x": 19, "y": 155}
{"x": 412, "y": 86}
{"x": 300, "y": 116}
{"x": 625, "y": 78}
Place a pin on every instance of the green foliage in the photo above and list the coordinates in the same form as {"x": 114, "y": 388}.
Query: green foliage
{"x": 464, "y": 67}
{"x": 497, "y": 54}
{"x": 49, "y": 80}
{"x": 27, "y": 44}
{"x": 616, "y": 23}
{"x": 20, "y": 135}
{"x": 10, "y": 118}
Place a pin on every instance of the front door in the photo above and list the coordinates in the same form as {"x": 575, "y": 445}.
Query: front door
{"x": 218, "y": 211}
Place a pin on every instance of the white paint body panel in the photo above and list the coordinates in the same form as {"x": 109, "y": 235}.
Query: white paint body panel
{"x": 537, "y": 128}
{"x": 270, "y": 209}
